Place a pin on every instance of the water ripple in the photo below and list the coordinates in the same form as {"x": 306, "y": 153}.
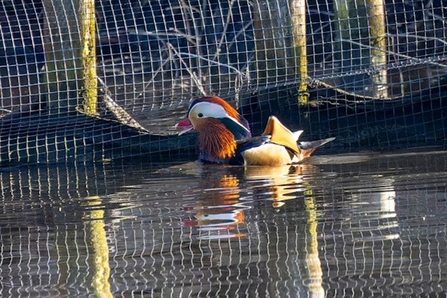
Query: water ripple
{"x": 349, "y": 225}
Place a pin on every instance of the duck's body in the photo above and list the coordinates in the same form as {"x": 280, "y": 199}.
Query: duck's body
{"x": 224, "y": 137}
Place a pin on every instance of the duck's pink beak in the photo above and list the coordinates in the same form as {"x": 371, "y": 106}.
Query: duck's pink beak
{"x": 186, "y": 125}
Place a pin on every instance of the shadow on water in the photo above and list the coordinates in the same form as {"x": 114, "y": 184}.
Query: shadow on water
{"x": 339, "y": 226}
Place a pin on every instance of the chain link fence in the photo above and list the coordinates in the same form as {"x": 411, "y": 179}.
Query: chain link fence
{"x": 84, "y": 79}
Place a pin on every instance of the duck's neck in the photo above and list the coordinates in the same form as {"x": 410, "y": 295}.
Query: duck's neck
{"x": 216, "y": 143}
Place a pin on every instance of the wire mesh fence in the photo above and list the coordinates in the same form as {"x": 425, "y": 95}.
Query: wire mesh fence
{"x": 99, "y": 79}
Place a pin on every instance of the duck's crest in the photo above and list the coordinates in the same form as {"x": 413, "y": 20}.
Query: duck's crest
{"x": 217, "y": 100}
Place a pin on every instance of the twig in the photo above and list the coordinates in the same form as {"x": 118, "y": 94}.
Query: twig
{"x": 213, "y": 62}
{"x": 341, "y": 91}
{"x": 189, "y": 10}
{"x": 4, "y": 112}
{"x": 177, "y": 33}
{"x": 155, "y": 75}
{"x": 224, "y": 31}
{"x": 419, "y": 60}
{"x": 234, "y": 40}
{"x": 419, "y": 37}
{"x": 120, "y": 114}
{"x": 192, "y": 73}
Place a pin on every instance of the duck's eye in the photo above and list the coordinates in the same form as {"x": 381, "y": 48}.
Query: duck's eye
{"x": 200, "y": 115}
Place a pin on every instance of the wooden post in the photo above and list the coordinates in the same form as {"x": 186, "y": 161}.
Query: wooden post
{"x": 88, "y": 46}
{"x": 275, "y": 58}
{"x": 376, "y": 18}
{"x": 298, "y": 11}
{"x": 351, "y": 31}
{"x": 69, "y": 37}
{"x": 360, "y": 44}
{"x": 62, "y": 54}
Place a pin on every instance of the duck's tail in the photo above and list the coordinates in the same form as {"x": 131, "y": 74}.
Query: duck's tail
{"x": 307, "y": 148}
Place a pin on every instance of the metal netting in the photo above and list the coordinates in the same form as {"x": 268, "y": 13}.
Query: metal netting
{"x": 100, "y": 79}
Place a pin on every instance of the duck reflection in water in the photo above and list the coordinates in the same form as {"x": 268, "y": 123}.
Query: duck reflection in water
{"x": 243, "y": 203}
{"x": 282, "y": 183}
{"x": 218, "y": 210}
{"x": 223, "y": 203}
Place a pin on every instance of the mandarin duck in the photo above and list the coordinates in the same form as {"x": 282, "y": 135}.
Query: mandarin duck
{"x": 224, "y": 136}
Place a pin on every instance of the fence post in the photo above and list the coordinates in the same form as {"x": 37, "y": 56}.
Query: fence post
{"x": 298, "y": 16}
{"x": 88, "y": 48}
{"x": 275, "y": 57}
{"x": 360, "y": 44}
{"x": 62, "y": 54}
{"x": 376, "y": 18}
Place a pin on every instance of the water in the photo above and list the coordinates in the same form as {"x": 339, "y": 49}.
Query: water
{"x": 365, "y": 225}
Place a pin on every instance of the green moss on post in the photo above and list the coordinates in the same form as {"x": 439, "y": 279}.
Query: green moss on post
{"x": 298, "y": 11}
{"x": 88, "y": 46}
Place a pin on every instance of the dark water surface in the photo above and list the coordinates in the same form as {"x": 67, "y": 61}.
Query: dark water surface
{"x": 365, "y": 225}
